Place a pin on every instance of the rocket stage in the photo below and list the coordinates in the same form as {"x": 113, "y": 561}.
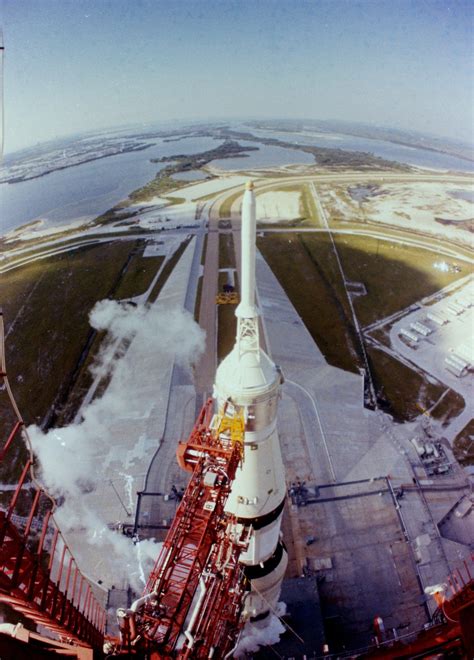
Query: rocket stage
{"x": 350, "y": 543}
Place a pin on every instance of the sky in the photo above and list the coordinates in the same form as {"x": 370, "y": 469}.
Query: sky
{"x": 79, "y": 65}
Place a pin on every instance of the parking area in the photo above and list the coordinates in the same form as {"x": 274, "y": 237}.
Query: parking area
{"x": 438, "y": 339}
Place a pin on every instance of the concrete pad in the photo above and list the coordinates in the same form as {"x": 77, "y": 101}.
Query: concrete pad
{"x": 303, "y": 617}
{"x": 429, "y": 352}
{"x": 137, "y": 432}
{"x": 330, "y": 440}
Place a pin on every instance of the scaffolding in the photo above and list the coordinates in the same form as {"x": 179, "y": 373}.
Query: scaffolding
{"x": 39, "y": 576}
{"x": 197, "y": 586}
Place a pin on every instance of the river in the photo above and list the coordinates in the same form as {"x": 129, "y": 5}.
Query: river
{"x": 85, "y": 191}
{"x": 389, "y": 150}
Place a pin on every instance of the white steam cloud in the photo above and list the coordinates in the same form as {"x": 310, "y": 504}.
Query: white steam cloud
{"x": 68, "y": 455}
{"x": 264, "y": 633}
{"x": 132, "y": 558}
{"x": 77, "y": 459}
{"x": 161, "y": 329}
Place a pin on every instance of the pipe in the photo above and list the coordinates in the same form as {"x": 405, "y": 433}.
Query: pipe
{"x": 229, "y": 655}
{"x": 126, "y": 623}
{"x": 129, "y": 614}
{"x": 10, "y": 628}
{"x": 141, "y": 601}
{"x": 195, "y": 614}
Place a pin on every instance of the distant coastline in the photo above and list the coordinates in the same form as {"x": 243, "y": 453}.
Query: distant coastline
{"x": 324, "y": 155}
{"x": 393, "y": 136}
{"x": 89, "y": 159}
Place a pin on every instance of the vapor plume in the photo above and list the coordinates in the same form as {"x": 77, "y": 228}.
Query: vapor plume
{"x": 265, "y": 633}
{"x": 75, "y": 460}
{"x": 68, "y": 456}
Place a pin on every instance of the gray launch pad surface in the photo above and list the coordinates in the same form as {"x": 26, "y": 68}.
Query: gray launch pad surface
{"x": 372, "y": 554}
{"x": 366, "y": 552}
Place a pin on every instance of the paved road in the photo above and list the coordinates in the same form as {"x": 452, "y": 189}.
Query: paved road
{"x": 33, "y": 252}
{"x": 372, "y": 176}
{"x": 206, "y": 368}
{"x": 380, "y": 234}
{"x": 191, "y": 291}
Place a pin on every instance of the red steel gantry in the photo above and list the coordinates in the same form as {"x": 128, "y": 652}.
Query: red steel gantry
{"x": 197, "y": 570}
{"x": 39, "y": 576}
{"x": 196, "y": 588}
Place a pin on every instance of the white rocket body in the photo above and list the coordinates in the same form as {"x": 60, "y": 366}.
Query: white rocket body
{"x": 247, "y": 308}
{"x": 249, "y": 380}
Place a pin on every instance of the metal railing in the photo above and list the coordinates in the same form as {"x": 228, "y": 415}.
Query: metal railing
{"x": 39, "y": 576}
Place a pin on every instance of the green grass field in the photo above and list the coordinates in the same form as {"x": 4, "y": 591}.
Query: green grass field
{"x": 159, "y": 187}
{"x": 48, "y": 302}
{"x": 140, "y": 273}
{"x": 309, "y": 278}
{"x": 395, "y": 277}
{"x": 405, "y": 390}
{"x": 463, "y": 446}
{"x": 204, "y": 249}
{"x": 450, "y": 406}
{"x": 197, "y": 304}
{"x": 46, "y": 306}
{"x": 226, "y": 328}
{"x": 226, "y": 320}
{"x": 135, "y": 281}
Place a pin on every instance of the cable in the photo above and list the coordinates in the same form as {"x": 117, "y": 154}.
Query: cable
{"x": 18, "y": 415}
{"x": 38, "y": 485}
{"x": 287, "y": 625}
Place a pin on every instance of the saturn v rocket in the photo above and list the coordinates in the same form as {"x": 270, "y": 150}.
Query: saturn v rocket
{"x": 249, "y": 380}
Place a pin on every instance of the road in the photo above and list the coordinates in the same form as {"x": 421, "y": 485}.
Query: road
{"x": 55, "y": 245}
{"x": 34, "y": 252}
{"x": 372, "y": 176}
{"x": 206, "y": 367}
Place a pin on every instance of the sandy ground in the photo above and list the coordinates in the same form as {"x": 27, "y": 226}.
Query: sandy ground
{"x": 155, "y": 213}
{"x": 168, "y": 217}
{"x": 409, "y": 206}
{"x": 158, "y": 212}
{"x": 195, "y": 191}
{"x": 278, "y": 206}
{"x": 165, "y": 246}
{"x": 40, "y": 229}
{"x": 204, "y": 188}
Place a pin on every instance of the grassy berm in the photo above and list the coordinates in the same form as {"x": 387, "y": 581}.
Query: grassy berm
{"x": 394, "y": 276}
{"x": 46, "y": 308}
{"x": 464, "y": 445}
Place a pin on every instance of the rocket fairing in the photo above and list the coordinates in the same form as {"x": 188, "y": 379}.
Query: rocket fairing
{"x": 249, "y": 380}
{"x": 246, "y": 308}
